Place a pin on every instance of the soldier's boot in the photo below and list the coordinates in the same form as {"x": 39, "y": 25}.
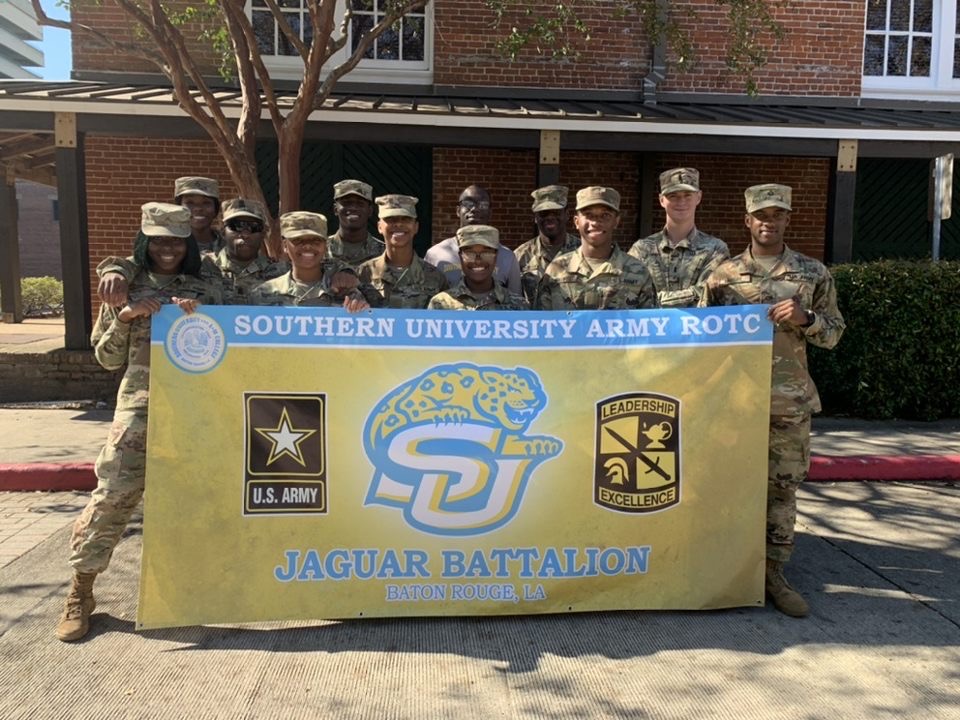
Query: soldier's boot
{"x": 74, "y": 623}
{"x": 785, "y": 598}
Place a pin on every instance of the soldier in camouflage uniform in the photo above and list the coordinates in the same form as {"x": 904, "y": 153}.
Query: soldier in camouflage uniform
{"x": 551, "y": 217}
{"x": 238, "y": 267}
{"x": 171, "y": 264}
{"x": 477, "y": 289}
{"x": 351, "y": 244}
{"x": 803, "y": 308}
{"x": 474, "y": 208}
{"x": 680, "y": 257}
{"x": 201, "y": 196}
{"x": 598, "y": 275}
{"x": 400, "y": 278}
{"x": 314, "y": 279}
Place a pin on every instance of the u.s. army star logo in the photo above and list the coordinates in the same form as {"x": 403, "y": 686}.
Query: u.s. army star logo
{"x": 285, "y": 454}
{"x": 637, "y": 461}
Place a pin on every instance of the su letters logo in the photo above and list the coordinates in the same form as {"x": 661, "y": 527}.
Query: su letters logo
{"x": 450, "y": 447}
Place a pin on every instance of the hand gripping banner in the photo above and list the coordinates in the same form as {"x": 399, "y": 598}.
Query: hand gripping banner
{"x": 307, "y": 463}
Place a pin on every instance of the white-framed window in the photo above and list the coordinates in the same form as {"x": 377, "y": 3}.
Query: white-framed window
{"x": 402, "y": 54}
{"x": 911, "y": 49}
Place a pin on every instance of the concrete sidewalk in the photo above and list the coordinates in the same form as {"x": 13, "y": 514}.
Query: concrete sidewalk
{"x": 880, "y": 563}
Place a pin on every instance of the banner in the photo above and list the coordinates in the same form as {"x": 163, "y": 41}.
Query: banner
{"x": 307, "y": 463}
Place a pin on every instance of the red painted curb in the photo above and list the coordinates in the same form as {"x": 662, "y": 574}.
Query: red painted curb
{"x": 27, "y": 477}
{"x": 885, "y": 467}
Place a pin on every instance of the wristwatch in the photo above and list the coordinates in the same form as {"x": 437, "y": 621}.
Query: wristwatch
{"x": 811, "y": 318}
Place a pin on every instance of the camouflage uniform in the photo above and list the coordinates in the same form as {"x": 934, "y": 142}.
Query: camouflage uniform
{"x": 571, "y": 282}
{"x": 744, "y": 281}
{"x": 121, "y": 464}
{"x": 237, "y": 280}
{"x": 679, "y": 271}
{"x": 285, "y": 290}
{"x": 353, "y": 254}
{"x": 201, "y": 186}
{"x": 462, "y": 298}
{"x": 409, "y": 287}
{"x": 534, "y": 256}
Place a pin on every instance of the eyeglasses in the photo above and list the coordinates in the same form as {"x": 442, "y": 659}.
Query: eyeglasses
{"x": 168, "y": 241}
{"x": 468, "y": 204}
{"x": 306, "y": 240}
{"x": 471, "y": 256}
{"x": 250, "y": 226}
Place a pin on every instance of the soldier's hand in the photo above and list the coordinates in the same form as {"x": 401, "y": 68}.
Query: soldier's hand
{"x": 188, "y": 305}
{"x": 788, "y": 311}
{"x": 140, "y": 308}
{"x": 355, "y": 303}
{"x": 343, "y": 282}
{"x": 112, "y": 289}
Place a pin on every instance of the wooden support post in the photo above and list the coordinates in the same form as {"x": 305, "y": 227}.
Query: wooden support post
{"x": 840, "y": 240}
{"x": 11, "y": 303}
{"x": 548, "y": 169}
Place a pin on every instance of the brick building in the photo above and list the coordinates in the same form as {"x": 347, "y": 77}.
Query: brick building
{"x": 855, "y": 101}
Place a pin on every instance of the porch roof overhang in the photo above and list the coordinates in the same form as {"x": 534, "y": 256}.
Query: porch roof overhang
{"x": 734, "y": 124}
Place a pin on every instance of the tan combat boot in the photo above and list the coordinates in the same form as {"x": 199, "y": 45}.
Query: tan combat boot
{"x": 785, "y": 598}
{"x": 75, "y": 621}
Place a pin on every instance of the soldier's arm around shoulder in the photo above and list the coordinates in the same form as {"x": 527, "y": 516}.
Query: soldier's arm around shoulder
{"x": 110, "y": 339}
{"x": 828, "y": 325}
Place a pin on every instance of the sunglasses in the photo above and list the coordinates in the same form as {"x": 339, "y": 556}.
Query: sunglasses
{"x": 471, "y": 256}
{"x": 250, "y": 226}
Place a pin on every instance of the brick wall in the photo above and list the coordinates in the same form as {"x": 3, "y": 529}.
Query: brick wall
{"x": 55, "y": 375}
{"x": 723, "y": 178}
{"x": 821, "y": 53}
{"x": 39, "y": 230}
{"x": 107, "y": 17}
{"x": 123, "y": 173}
{"x": 465, "y": 53}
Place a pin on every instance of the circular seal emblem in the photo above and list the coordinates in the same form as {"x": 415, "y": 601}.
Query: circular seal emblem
{"x": 195, "y": 343}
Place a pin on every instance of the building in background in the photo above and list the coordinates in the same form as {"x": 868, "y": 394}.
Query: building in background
{"x": 18, "y": 23}
{"x": 855, "y": 101}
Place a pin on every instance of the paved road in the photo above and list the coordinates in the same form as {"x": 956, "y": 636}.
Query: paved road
{"x": 880, "y": 562}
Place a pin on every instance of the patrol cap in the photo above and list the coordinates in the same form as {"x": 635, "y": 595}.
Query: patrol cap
{"x": 397, "y": 206}
{"x": 681, "y": 179}
{"x": 301, "y": 223}
{"x": 196, "y": 186}
{"x": 769, "y": 195}
{"x": 597, "y": 195}
{"x": 352, "y": 187}
{"x": 485, "y": 235}
{"x": 550, "y": 197}
{"x": 159, "y": 219}
{"x": 241, "y": 207}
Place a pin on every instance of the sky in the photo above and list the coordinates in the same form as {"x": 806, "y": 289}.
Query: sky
{"x": 55, "y": 46}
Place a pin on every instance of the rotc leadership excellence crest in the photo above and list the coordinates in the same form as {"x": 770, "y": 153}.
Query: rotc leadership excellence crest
{"x": 637, "y": 461}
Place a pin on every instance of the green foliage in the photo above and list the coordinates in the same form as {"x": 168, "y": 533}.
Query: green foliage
{"x": 41, "y": 296}
{"x": 558, "y": 31}
{"x": 900, "y": 354}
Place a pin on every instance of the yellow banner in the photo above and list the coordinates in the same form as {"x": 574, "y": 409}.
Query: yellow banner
{"x": 305, "y": 463}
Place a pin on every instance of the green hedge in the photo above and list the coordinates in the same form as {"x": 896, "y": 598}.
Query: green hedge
{"x": 900, "y": 354}
{"x": 41, "y": 296}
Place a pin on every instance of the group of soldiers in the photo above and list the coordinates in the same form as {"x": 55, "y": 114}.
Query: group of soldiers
{"x": 180, "y": 256}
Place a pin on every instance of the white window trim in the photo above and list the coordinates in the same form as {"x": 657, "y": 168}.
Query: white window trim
{"x": 284, "y": 67}
{"x": 941, "y": 84}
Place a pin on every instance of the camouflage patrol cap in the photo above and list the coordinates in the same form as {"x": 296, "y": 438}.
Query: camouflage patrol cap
{"x": 397, "y": 206}
{"x": 550, "y": 197}
{"x": 352, "y": 187}
{"x": 597, "y": 195}
{"x": 302, "y": 223}
{"x": 769, "y": 195}
{"x": 681, "y": 179}
{"x": 159, "y": 219}
{"x": 196, "y": 186}
{"x": 485, "y": 235}
{"x": 241, "y": 207}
